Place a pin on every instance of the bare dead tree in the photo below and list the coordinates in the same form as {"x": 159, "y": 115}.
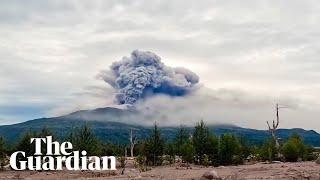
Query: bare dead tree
{"x": 133, "y": 141}
{"x": 273, "y": 129}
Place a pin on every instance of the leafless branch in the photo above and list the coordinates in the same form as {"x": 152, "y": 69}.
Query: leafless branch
{"x": 133, "y": 141}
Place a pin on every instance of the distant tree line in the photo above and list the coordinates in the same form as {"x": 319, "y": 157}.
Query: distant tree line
{"x": 204, "y": 148}
{"x": 200, "y": 147}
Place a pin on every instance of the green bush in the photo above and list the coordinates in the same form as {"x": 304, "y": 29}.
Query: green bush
{"x": 25, "y": 145}
{"x": 109, "y": 149}
{"x": 181, "y": 138}
{"x": 187, "y": 152}
{"x": 246, "y": 150}
{"x": 268, "y": 151}
{"x": 2, "y": 152}
{"x": 205, "y": 160}
{"x": 141, "y": 163}
{"x": 310, "y": 154}
{"x": 229, "y": 151}
{"x": 83, "y": 139}
{"x": 294, "y": 149}
{"x": 200, "y": 140}
{"x": 213, "y": 150}
{"x": 205, "y": 144}
{"x": 170, "y": 150}
{"x": 154, "y": 147}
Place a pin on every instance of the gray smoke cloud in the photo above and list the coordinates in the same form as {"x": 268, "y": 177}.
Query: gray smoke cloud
{"x": 143, "y": 74}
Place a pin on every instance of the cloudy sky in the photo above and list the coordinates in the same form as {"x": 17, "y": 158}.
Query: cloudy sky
{"x": 249, "y": 55}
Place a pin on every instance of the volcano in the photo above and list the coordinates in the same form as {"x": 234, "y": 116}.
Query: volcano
{"x": 111, "y": 125}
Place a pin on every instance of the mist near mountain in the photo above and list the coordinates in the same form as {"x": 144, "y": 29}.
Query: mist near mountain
{"x": 107, "y": 126}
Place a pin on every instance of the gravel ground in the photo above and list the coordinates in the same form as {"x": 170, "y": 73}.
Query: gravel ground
{"x": 276, "y": 171}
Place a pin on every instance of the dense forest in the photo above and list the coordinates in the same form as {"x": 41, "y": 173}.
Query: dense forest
{"x": 199, "y": 147}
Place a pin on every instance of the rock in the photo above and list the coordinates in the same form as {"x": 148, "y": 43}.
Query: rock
{"x": 138, "y": 177}
{"x": 318, "y": 160}
{"x": 291, "y": 170}
{"x": 166, "y": 162}
{"x": 210, "y": 175}
{"x": 7, "y": 167}
{"x": 276, "y": 162}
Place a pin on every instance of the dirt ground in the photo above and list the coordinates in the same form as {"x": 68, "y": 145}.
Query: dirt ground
{"x": 276, "y": 171}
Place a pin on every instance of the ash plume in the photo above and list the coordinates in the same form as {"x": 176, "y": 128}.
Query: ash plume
{"x": 143, "y": 74}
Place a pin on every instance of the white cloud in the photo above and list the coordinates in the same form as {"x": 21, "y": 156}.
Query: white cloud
{"x": 52, "y": 50}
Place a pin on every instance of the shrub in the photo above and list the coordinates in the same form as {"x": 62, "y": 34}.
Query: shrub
{"x": 181, "y": 138}
{"x": 83, "y": 139}
{"x": 205, "y": 144}
{"x": 213, "y": 150}
{"x": 229, "y": 150}
{"x": 310, "y": 155}
{"x": 187, "y": 152}
{"x": 205, "y": 160}
{"x": 25, "y": 145}
{"x": 170, "y": 150}
{"x": 2, "y": 152}
{"x": 141, "y": 163}
{"x": 268, "y": 151}
{"x": 200, "y": 139}
{"x": 154, "y": 147}
{"x": 294, "y": 149}
{"x": 109, "y": 149}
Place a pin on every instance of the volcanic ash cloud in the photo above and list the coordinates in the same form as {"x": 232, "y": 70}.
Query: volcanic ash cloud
{"x": 143, "y": 74}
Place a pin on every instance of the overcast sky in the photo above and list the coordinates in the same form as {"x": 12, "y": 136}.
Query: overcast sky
{"x": 255, "y": 53}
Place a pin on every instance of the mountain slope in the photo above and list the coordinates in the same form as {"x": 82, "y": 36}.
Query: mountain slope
{"x": 108, "y": 126}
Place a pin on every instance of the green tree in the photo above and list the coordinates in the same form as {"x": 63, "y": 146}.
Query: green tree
{"x": 25, "y": 145}
{"x": 2, "y": 147}
{"x": 83, "y": 139}
{"x": 245, "y": 149}
{"x": 229, "y": 150}
{"x": 294, "y": 148}
{"x": 170, "y": 149}
{"x": 205, "y": 144}
{"x": 309, "y": 154}
{"x": 154, "y": 147}
{"x": 181, "y": 138}
{"x": 109, "y": 149}
{"x": 187, "y": 152}
{"x": 3, "y": 151}
{"x": 268, "y": 151}
{"x": 213, "y": 150}
{"x": 200, "y": 140}
{"x": 45, "y": 131}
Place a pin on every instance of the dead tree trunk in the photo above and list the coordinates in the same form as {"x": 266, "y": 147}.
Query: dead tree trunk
{"x": 273, "y": 130}
{"x": 133, "y": 142}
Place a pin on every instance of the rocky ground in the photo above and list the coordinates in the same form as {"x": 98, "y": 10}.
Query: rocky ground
{"x": 276, "y": 171}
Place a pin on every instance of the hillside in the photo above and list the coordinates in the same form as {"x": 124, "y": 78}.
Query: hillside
{"x": 107, "y": 124}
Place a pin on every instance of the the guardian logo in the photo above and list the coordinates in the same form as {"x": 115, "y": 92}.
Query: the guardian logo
{"x": 59, "y": 156}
